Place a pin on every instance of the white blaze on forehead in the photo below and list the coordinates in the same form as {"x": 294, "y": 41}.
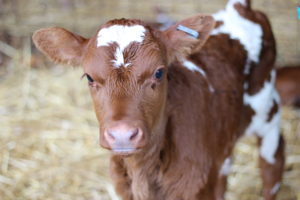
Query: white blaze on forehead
{"x": 123, "y": 36}
{"x": 119, "y": 59}
{"x": 269, "y": 131}
{"x": 239, "y": 28}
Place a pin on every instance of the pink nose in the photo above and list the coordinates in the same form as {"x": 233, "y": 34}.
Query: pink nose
{"x": 123, "y": 138}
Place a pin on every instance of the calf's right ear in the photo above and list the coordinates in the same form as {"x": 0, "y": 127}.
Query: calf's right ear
{"x": 60, "y": 45}
{"x": 179, "y": 43}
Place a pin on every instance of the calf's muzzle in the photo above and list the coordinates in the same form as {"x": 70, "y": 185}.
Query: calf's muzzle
{"x": 123, "y": 138}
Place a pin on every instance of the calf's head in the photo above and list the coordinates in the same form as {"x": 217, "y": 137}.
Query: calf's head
{"x": 125, "y": 63}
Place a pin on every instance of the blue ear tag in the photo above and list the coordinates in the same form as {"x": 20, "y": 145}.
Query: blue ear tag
{"x": 298, "y": 11}
{"x": 189, "y": 31}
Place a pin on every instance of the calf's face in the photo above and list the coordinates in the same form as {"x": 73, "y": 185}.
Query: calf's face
{"x": 129, "y": 90}
{"x": 126, "y": 67}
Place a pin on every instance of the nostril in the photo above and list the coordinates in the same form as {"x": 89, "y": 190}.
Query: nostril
{"x": 110, "y": 135}
{"x": 134, "y": 134}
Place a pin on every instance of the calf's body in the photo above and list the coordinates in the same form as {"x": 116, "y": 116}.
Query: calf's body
{"x": 170, "y": 112}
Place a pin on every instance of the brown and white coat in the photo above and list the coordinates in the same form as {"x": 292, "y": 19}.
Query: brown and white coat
{"x": 171, "y": 107}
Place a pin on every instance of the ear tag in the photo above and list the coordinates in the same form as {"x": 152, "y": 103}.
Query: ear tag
{"x": 298, "y": 11}
{"x": 187, "y": 30}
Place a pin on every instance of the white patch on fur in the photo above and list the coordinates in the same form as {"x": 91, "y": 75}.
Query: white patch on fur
{"x": 270, "y": 140}
{"x": 246, "y": 85}
{"x": 226, "y": 167}
{"x": 247, "y": 66}
{"x": 191, "y": 66}
{"x": 262, "y": 103}
{"x": 239, "y": 28}
{"x": 275, "y": 188}
{"x": 119, "y": 59}
{"x": 123, "y": 36}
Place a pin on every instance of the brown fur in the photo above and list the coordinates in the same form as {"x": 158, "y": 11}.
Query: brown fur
{"x": 273, "y": 111}
{"x": 288, "y": 85}
{"x": 260, "y": 72}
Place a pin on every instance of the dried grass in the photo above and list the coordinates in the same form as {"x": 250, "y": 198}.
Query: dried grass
{"x": 49, "y": 136}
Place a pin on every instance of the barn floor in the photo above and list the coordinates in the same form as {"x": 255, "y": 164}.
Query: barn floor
{"x": 49, "y": 141}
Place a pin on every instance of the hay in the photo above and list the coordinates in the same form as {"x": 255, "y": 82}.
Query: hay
{"x": 49, "y": 136}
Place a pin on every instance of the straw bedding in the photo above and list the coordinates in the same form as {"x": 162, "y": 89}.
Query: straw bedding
{"x": 49, "y": 140}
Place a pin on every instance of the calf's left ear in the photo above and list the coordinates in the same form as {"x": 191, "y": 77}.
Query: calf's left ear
{"x": 60, "y": 45}
{"x": 181, "y": 42}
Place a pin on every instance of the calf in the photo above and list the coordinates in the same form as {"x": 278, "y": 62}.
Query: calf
{"x": 170, "y": 112}
{"x": 288, "y": 85}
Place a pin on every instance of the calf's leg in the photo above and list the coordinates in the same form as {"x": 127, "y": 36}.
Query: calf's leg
{"x": 271, "y": 173}
{"x": 222, "y": 179}
{"x": 221, "y": 187}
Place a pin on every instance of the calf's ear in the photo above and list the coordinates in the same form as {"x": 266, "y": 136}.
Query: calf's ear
{"x": 181, "y": 43}
{"x": 60, "y": 45}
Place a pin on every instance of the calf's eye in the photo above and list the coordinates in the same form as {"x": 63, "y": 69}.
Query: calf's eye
{"x": 159, "y": 73}
{"x": 89, "y": 78}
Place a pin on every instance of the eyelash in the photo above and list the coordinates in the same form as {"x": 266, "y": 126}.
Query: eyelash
{"x": 89, "y": 78}
{"x": 159, "y": 73}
